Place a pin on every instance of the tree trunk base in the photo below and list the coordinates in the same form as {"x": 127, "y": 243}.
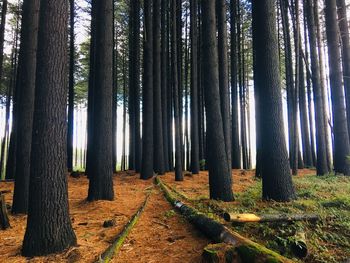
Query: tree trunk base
{"x": 4, "y": 219}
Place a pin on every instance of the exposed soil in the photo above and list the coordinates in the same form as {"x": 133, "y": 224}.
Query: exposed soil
{"x": 161, "y": 234}
{"x": 87, "y": 219}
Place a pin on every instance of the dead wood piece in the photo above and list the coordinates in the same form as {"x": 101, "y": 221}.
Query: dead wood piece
{"x": 246, "y": 218}
{"x": 113, "y": 249}
{"x": 248, "y": 250}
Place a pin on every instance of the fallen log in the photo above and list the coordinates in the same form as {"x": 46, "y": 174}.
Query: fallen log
{"x": 113, "y": 249}
{"x": 248, "y": 218}
{"x": 4, "y": 219}
{"x": 214, "y": 230}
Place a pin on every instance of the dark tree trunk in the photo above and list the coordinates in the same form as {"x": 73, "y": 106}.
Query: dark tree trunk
{"x": 115, "y": 90}
{"x": 290, "y": 86}
{"x": 134, "y": 86}
{"x": 2, "y": 36}
{"x": 305, "y": 135}
{"x": 71, "y": 87}
{"x": 323, "y": 81}
{"x": 194, "y": 88}
{"x": 147, "y": 137}
{"x": 123, "y": 162}
{"x": 220, "y": 182}
{"x": 309, "y": 93}
{"x": 221, "y": 11}
{"x": 157, "y": 92}
{"x": 340, "y": 128}
{"x": 49, "y": 228}
{"x": 176, "y": 88}
{"x": 345, "y": 45}
{"x": 25, "y": 87}
{"x": 164, "y": 81}
{"x": 180, "y": 74}
{"x": 235, "y": 150}
{"x": 170, "y": 100}
{"x": 11, "y": 159}
{"x": 277, "y": 180}
{"x": 90, "y": 106}
{"x": 2, "y": 42}
{"x": 100, "y": 169}
{"x": 322, "y": 165}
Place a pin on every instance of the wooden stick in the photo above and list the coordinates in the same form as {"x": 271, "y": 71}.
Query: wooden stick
{"x": 247, "y": 218}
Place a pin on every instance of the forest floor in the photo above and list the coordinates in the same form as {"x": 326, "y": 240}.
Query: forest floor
{"x": 162, "y": 235}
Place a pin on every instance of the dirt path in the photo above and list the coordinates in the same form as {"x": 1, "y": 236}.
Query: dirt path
{"x": 162, "y": 235}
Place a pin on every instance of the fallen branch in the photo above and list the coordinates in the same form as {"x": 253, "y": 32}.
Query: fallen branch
{"x": 250, "y": 251}
{"x": 4, "y": 219}
{"x": 113, "y": 249}
{"x": 247, "y": 218}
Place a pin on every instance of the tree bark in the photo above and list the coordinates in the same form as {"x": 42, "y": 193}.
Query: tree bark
{"x": 221, "y": 11}
{"x": 134, "y": 86}
{"x": 49, "y": 229}
{"x": 220, "y": 182}
{"x": 25, "y": 87}
{"x": 322, "y": 165}
{"x": 235, "y": 150}
{"x": 157, "y": 92}
{"x": 194, "y": 88}
{"x": 71, "y": 86}
{"x": 277, "y": 180}
{"x": 345, "y": 45}
{"x": 174, "y": 58}
{"x": 147, "y": 137}
{"x": 101, "y": 167}
{"x": 340, "y": 128}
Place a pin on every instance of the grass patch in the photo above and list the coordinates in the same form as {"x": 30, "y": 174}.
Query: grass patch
{"x": 328, "y": 196}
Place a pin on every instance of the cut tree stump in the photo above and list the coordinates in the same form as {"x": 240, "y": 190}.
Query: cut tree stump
{"x": 4, "y": 219}
{"x": 248, "y": 218}
{"x": 113, "y": 249}
{"x": 247, "y": 250}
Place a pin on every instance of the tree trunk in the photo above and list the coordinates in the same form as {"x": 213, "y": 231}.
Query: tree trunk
{"x": 164, "y": 81}
{"x": 194, "y": 88}
{"x": 322, "y": 165}
{"x": 221, "y": 11}
{"x": 71, "y": 87}
{"x": 305, "y": 135}
{"x": 220, "y": 182}
{"x": 134, "y": 86}
{"x": 340, "y": 128}
{"x": 101, "y": 167}
{"x": 174, "y": 58}
{"x": 49, "y": 229}
{"x": 157, "y": 92}
{"x": 147, "y": 137}
{"x": 277, "y": 180}
{"x": 235, "y": 150}
{"x": 11, "y": 156}
{"x": 345, "y": 45}
{"x": 323, "y": 81}
{"x": 25, "y": 87}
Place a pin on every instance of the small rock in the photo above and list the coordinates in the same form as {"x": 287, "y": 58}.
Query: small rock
{"x": 109, "y": 223}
